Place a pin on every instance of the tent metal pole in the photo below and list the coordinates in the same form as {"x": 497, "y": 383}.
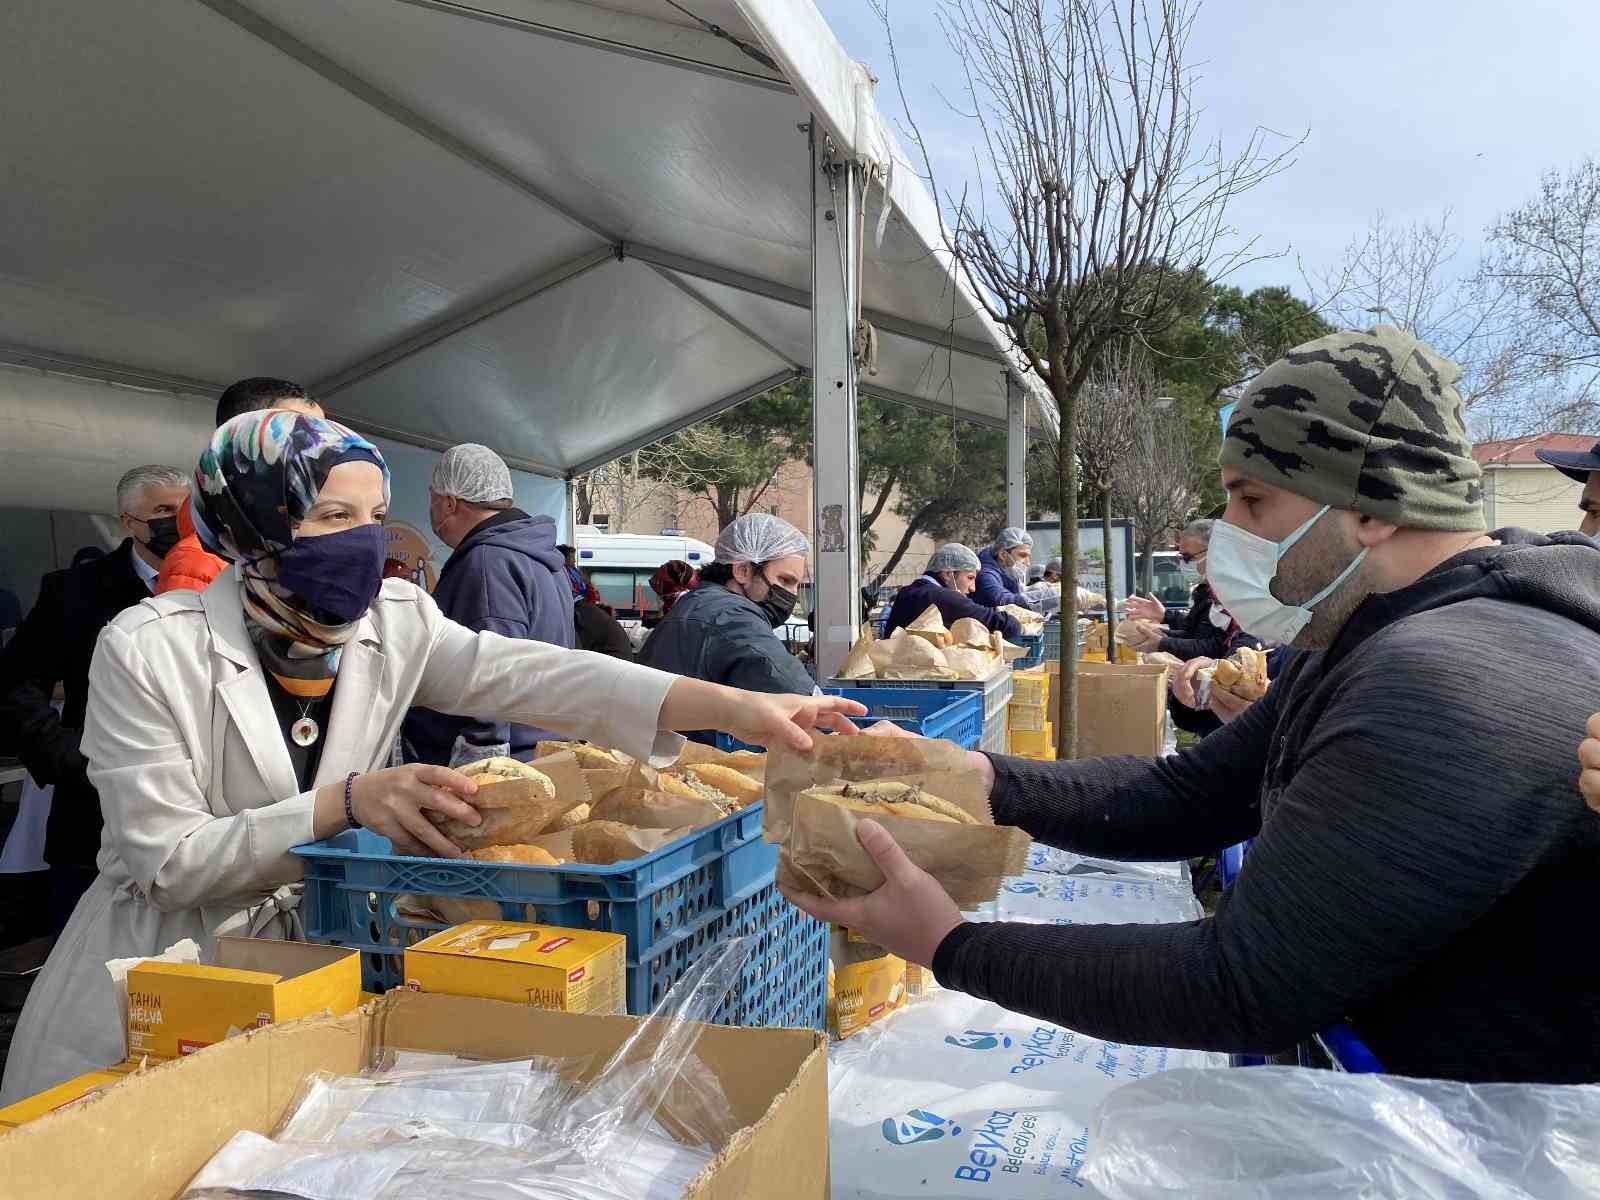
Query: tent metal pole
{"x": 621, "y": 33}
{"x": 835, "y": 285}
{"x": 1016, "y": 454}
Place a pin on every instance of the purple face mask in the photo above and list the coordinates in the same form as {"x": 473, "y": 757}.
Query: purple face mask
{"x": 337, "y": 574}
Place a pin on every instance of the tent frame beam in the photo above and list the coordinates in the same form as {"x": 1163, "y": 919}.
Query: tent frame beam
{"x": 705, "y": 412}
{"x": 620, "y": 33}
{"x": 376, "y": 98}
{"x": 923, "y": 404}
{"x": 432, "y": 334}
{"x": 797, "y": 298}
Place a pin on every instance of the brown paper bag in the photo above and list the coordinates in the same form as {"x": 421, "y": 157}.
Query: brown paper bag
{"x": 602, "y": 843}
{"x": 518, "y": 810}
{"x": 820, "y": 852}
{"x": 655, "y": 810}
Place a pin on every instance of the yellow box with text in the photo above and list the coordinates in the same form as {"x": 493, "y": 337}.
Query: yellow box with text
{"x": 32, "y": 1107}
{"x": 177, "y": 1008}
{"x": 568, "y": 970}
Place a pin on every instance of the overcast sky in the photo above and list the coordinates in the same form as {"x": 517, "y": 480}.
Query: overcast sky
{"x": 1411, "y": 106}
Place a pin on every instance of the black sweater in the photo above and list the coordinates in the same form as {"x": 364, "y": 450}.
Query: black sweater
{"x": 1197, "y": 637}
{"x": 1423, "y": 864}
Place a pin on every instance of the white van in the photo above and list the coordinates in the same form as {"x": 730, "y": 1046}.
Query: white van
{"x": 620, "y": 566}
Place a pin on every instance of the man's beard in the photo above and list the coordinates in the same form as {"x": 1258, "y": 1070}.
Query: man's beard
{"x": 1309, "y": 567}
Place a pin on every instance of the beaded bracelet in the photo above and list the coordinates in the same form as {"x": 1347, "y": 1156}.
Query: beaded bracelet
{"x": 349, "y": 810}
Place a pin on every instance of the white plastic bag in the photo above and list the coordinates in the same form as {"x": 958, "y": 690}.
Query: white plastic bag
{"x": 955, "y": 1097}
{"x": 1269, "y": 1132}
{"x": 1094, "y": 900}
{"x": 1048, "y": 860}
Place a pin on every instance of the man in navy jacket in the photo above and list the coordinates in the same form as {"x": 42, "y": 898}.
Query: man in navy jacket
{"x": 1003, "y": 570}
{"x": 947, "y": 584}
{"x": 505, "y": 575}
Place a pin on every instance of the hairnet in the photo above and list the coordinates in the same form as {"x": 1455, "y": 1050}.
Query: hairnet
{"x": 1053, "y": 567}
{"x": 952, "y": 556}
{"x": 759, "y": 538}
{"x": 472, "y": 473}
{"x": 1012, "y": 536}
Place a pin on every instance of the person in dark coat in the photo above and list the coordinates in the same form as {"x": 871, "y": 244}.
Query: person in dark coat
{"x": 947, "y": 584}
{"x": 55, "y": 644}
{"x": 723, "y": 631}
{"x": 599, "y": 631}
{"x": 505, "y": 575}
{"x": 1003, "y": 570}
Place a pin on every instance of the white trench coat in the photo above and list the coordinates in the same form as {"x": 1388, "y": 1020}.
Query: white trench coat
{"x": 200, "y": 799}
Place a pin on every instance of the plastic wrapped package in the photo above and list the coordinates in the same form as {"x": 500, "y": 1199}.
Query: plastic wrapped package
{"x": 1049, "y": 860}
{"x": 1093, "y": 900}
{"x": 956, "y": 1097}
{"x": 640, "y": 1127}
{"x": 1324, "y": 1135}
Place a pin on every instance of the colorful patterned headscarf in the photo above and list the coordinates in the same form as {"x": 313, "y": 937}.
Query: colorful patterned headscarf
{"x": 255, "y": 483}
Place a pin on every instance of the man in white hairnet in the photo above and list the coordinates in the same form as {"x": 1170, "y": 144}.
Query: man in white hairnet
{"x": 504, "y": 575}
{"x": 947, "y": 584}
{"x": 1003, "y": 570}
{"x": 723, "y": 631}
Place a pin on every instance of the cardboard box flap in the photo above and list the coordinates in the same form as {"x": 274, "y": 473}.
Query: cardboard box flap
{"x": 287, "y": 960}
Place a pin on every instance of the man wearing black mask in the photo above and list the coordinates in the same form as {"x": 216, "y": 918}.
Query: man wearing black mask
{"x": 54, "y": 646}
{"x": 723, "y": 630}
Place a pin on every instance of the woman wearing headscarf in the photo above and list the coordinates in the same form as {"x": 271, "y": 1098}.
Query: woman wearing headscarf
{"x": 671, "y": 580}
{"x": 228, "y": 725}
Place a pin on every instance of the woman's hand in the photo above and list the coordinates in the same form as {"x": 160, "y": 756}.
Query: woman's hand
{"x": 1142, "y": 636}
{"x": 396, "y": 801}
{"x": 1182, "y": 680}
{"x": 1226, "y": 706}
{"x": 763, "y": 719}
{"x": 1589, "y": 758}
{"x": 1145, "y": 608}
{"x": 908, "y": 916}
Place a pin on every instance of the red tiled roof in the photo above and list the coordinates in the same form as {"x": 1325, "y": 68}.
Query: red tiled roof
{"x": 1512, "y": 451}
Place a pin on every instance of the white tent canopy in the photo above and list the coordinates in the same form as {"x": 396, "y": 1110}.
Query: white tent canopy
{"x": 562, "y": 229}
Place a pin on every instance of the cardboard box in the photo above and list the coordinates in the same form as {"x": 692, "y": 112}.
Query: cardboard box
{"x": 1030, "y": 687}
{"x": 177, "y": 1008}
{"x": 1033, "y": 744}
{"x": 145, "y": 1139}
{"x": 1026, "y": 718}
{"x": 568, "y": 970}
{"x": 51, "y": 1099}
{"x": 1122, "y": 707}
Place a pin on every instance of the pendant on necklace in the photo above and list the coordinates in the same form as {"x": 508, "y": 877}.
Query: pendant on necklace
{"x": 305, "y": 732}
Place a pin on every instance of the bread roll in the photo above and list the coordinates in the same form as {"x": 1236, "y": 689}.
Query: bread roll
{"x": 530, "y": 855}
{"x": 882, "y": 797}
{"x": 1243, "y": 674}
{"x": 741, "y": 788}
{"x": 515, "y": 801}
{"x": 590, "y": 758}
{"x": 675, "y": 784}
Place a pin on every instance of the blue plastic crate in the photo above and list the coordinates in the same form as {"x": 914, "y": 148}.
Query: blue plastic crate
{"x": 670, "y": 905}
{"x": 932, "y": 714}
{"x": 996, "y": 693}
{"x": 1034, "y": 643}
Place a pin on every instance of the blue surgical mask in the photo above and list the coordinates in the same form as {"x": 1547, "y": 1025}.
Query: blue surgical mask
{"x": 1241, "y": 567}
{"x": 338, "y": 574}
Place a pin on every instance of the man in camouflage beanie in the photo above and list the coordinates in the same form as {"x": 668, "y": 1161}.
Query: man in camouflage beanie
{"x": 1366, "y": 421}
{"x": 1410, "y": 784}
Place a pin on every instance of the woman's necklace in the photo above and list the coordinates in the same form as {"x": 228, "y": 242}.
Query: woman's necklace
{"x": 305, "y": 731}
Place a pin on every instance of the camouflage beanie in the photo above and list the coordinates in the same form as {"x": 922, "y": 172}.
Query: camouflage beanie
{"x": 1368, "y": 421}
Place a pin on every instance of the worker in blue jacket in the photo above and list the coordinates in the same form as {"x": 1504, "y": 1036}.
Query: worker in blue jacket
{"x": 947, "y": 584}
{"x": 1003, "y": 570}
